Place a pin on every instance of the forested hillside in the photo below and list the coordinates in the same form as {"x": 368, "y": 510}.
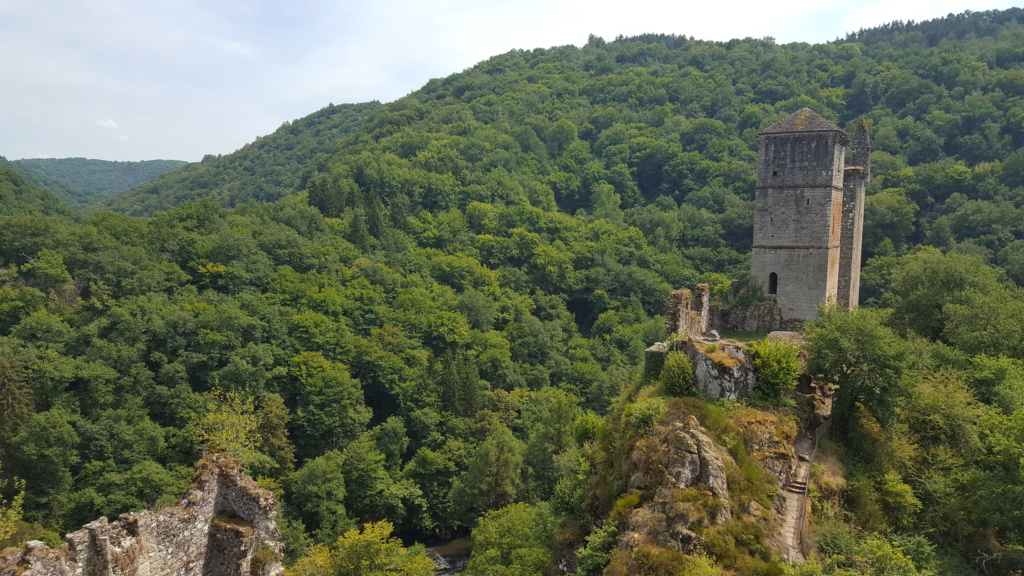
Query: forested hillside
{"x": 656, "y": 118}
{"x": 82, "y": 182}
{"x": 72, "y": 196}
{"x": 18, "y": 197}
{"x": 433, "y": 312}
{"x": 264, "y": 170}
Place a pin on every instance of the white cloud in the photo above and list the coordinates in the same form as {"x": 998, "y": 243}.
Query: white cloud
{"x": 108, "y": 124}
{"x": 239, "y": 48}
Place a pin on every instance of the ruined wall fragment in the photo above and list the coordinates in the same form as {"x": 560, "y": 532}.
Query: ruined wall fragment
{"x": 223, "y": 526}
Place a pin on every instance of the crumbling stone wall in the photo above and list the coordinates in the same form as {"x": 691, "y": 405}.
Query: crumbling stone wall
{"x": 855, "y": 181}
{"x": 223, "y": 526}
{"x": 722, "y": 368}
{"x": 688, "y": 316}
{"x": 768, "y": 315}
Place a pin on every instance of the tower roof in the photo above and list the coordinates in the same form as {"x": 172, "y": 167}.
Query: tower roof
{"x": 803, "y": 120}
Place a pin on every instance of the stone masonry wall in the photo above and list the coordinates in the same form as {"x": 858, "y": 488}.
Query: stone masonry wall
{"x": 798, "y": 218}
{"x": 855, "y": 180}
{"x": 806, "y": 275}
{"x": 687, "y": 316}
{"x": 848, "y": 293}
{"x": 223, "y": 526}
{"x": 801, "y": 160}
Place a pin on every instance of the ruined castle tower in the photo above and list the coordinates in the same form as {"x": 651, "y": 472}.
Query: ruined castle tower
{"x": 801, "y": 235}
{"x": 855, "y": 180}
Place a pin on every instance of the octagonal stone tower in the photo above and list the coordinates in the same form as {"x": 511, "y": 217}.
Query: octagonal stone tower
{"x": 799, "y": 214}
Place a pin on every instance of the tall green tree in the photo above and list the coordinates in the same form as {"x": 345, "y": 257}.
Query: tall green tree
{"x": 273, "y": 417}
{"x": 862, "y": 357}
{"x": 927, "y": 280}
{"x": 371, "y": 551}
{"x": 495, "y": 474}
{"x": 16, "y": 404}
{"x": 517, "y": 540}
{"x": 330, "y": 411}
{"x": 316, "y": 492}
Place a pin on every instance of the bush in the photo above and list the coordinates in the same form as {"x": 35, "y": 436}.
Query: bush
{"x": 363, "y": 553}
{"x": 516, "y": 539}
{"x": 775, "y": 365}
{"x": 844, "y": 550}
{"x": 677, "y": 375}
{"x": 730, "y": 541}
{"x": 595, "y": 555}
{"x": 654, "y": 561}
{"x": 264, "y": 556}
{"x": 623, "y": 506}
{"x": 642, "y": 415}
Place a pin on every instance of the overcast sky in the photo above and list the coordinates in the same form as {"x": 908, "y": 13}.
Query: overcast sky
{"x": 177, "y": 79}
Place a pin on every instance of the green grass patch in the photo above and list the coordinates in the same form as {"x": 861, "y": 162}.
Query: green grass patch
{"x": 744, "y": 336}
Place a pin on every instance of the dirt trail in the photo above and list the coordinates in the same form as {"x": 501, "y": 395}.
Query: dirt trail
{"x": 795, "y": 493}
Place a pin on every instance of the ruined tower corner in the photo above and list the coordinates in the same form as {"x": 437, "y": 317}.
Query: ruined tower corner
{"x": 855, "y": 180}
{"x": 688, "y": 316}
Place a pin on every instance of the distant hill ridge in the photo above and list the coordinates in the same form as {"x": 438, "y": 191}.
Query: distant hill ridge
{"x": 83, "y": 181}
{"x": 19, "y": 197}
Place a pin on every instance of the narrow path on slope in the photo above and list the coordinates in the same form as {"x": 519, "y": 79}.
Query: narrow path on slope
{"x": 795, "y": 493}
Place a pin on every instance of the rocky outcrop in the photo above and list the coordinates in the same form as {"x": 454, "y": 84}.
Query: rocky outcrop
{"x": 685, "y": 470}
{"x": 722, "y": 367}
{"x": 697, "y": 462}
{"x": 769, "y": 441}
{"x": 223, "y": 526}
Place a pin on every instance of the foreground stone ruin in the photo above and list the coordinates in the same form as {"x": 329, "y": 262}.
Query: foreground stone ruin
{"x": 222, "y": 526}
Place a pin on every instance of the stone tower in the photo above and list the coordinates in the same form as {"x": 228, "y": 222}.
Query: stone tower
{"x": 800, "y": 226}
{"x": 855, "y": 180}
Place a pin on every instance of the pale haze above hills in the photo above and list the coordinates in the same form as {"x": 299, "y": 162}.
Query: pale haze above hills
{"x": 183, "y": 78}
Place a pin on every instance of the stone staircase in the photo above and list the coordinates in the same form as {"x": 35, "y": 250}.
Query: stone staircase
{"x": 797, "y": 487}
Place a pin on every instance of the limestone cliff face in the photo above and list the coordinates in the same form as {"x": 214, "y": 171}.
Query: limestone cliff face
{"x": 223, "y": 526}
{"x": 681, "y": 477}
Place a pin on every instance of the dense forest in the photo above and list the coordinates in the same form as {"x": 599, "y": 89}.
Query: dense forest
{"x": 427, "y": 318}
{"x": 82, "y": 182}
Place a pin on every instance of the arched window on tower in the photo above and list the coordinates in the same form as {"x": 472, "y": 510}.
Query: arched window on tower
{"x": 773, "y": 283}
